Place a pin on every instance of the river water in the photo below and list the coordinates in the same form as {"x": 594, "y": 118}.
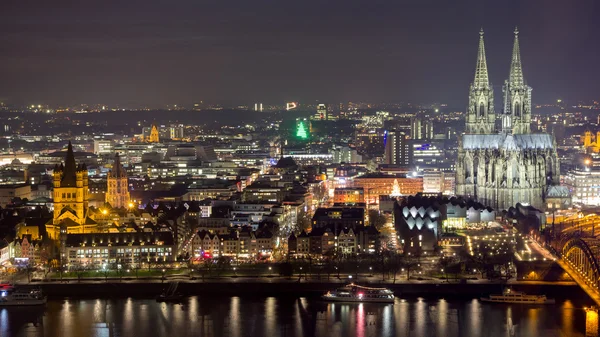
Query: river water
{"x": 287, "y": 316}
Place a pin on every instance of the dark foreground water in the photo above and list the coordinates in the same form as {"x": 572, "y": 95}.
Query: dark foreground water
{"x": 284, "y": 316}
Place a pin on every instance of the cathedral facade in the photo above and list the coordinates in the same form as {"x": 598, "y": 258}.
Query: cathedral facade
{"x": 500, "y": 166}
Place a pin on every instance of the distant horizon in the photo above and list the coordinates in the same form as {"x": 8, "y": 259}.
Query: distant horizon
{"x": 157, "y": 53}
{"x": 232, "y": 105}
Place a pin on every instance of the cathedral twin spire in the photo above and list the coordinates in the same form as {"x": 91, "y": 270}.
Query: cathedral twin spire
{"x": 482, "y": 79}
{"x": 481, "y": 118}
{"x": 516, "y": 70}
{"x": 480, "y": 115}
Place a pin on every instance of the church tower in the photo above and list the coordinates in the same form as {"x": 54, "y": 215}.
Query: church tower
{"x": 117, "y": 194}
{"x": 153, "y": 138}
{"x": 70, "y": 196}
{"x": 480, "y": 113}
{"x": 517, "y": 96}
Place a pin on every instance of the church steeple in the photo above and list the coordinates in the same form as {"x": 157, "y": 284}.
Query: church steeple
{"x": 482, "y": 78}
{"x": 69, "y": 172}
{"x": 480, "y": 112}
{"x": 516, "y": 70}
{"x": 517, "y": 94}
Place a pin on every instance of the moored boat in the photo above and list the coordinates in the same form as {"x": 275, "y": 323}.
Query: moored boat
{"x": 356, "y": 293}
{"x": 14, "y": 296}
{"x": 511, "y": 296}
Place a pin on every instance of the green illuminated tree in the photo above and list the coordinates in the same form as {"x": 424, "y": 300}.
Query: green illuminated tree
{"x": 301, "y": 131}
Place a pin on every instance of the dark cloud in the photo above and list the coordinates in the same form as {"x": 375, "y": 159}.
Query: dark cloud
{"x": 165, "y": 52}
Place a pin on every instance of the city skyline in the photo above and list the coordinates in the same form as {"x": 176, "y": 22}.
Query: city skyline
{"x": 158, "y": 54}
{"x": 247, "y": 168}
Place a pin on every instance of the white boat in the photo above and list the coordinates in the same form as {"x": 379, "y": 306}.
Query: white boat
{"x": 19, "y": 297}
{"x": 511, "y": 296}
{"x": 356, "y": 293}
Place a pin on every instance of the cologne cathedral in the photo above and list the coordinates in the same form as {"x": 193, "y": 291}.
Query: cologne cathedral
{"x": 503, "y": 165}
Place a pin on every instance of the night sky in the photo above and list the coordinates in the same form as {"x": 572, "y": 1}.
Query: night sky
{"x": 178, "y": 52}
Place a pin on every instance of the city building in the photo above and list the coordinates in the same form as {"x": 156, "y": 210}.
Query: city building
{"x": 421, "y": 128}
{"x": 210, "y": 189}
{"x": 426, "y": 154}
{"x": 103, "y": 146}
{"x": 503, "y": 168}
{"x": 25, "y": 251}
{"x": 584, "y": 186}
{"x": 108, "y": 250}
{"x": 348, "y": 195}
{"x": 559, "y": 198}
{"x": 370, "y": 141}
{"x": 345, "y": 154}
{"x": 117, "y": 187}
{"x": 338, "y": 217}
{"x": 341, "y": 240}
{"x": 397, "y": 148}
{"x": 420, "y": 220}
{"x": 433, "y": 182}
{"x": 299, "y": 246}
{"x": 322, "y": 113}
{"x": 259, "y": 192}
{"x": 377, "y": 184}
{"x": 591, "y": 144}
{"x": 8, "y": 192}
{"x": 311, "y": 159}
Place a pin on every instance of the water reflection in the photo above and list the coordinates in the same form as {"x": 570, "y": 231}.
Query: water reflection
{"x": 286, "y": 316}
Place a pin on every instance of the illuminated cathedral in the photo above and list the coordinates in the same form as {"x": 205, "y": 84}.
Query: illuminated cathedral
{"x": 500, "y": 167}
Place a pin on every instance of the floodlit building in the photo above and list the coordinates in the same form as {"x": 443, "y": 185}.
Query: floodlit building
{"x": 584, "y": 186}
{"x": 70, "y": 198}
{"x": 513, "y": 165}
{"x": 349, "y": 195}
{"x": 127, "y": 249}
{"x": 117, "y": 191}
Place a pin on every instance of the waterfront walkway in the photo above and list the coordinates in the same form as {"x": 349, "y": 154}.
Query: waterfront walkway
{"x": 277, "y": 279}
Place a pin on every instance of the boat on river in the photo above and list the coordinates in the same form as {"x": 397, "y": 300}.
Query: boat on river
{"x": 15, "y": 296}
{"x": 356, "y": 293}
{"x": 511, "y": 296}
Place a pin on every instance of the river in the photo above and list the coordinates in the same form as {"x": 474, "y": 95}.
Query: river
{"x": 287, "y": 316}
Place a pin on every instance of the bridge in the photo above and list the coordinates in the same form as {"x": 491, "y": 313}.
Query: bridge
{"x": 577, "y": 244}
